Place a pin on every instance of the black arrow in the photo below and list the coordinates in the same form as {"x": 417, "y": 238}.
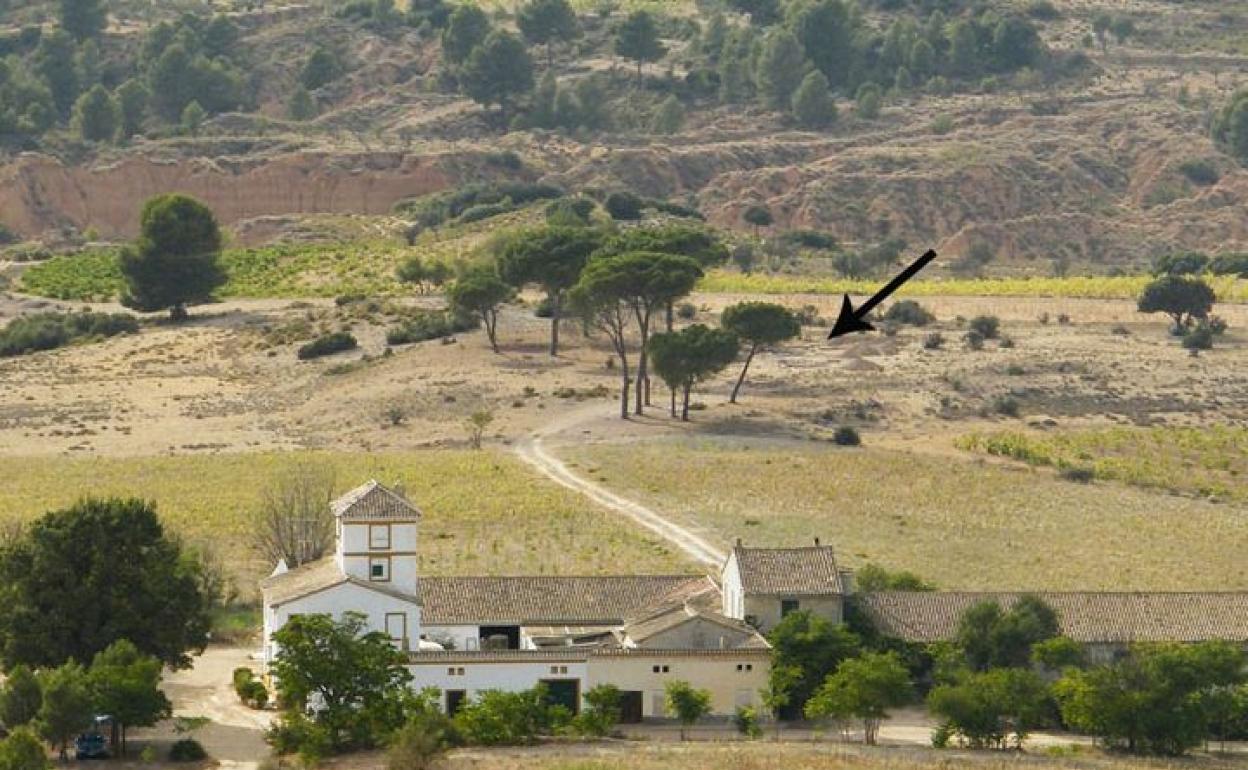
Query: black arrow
{"x": 850, "y": 320}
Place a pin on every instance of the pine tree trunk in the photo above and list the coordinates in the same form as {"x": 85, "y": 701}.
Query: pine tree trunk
{"x": 555, "y": 311}
{"x": 684, "y": 410}
{"x": 737, "y": 388}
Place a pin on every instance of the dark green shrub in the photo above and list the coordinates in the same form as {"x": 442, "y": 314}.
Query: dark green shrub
{"x": 46, "y": 331}
{"x": 485, "y": 211}
{"x": 623, "y": 206}
{"x": 1199, "y": 338}
{"x": 1182, "y": 263}
{"x": 429, "y": 325}
{"x": 1229, "y": 264}
{"x": 907, "y": 311}
{"x": 1006, "y": 405}
{"x": 1217, "y": 324}
{"x": 686, "y": 310}
{"x": 7, "y": 236}
{"x": 570, "y": 211}
{"x": 846, "y": 435}
{"x": 328, "y": 345}
{"x": 1077, "y": 474}
{"x": 1200, "y": 171}
{"x": 987, "y": 325}
{"x": 974, "y": 340}
{"x": 933, "y": 341}
{"x": 674, "y": 209}
{"x": 187, "y": 750}
{"x": 810, "y": 239}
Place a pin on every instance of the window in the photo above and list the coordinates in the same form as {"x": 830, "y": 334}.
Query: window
{"x": 661, "y": 669}
{"x": 789, "y": 605}
{"x": 379, "y": 570}
{"x": 558, "y": 669}
{"x": 745, "y": 667}
{"x": 379, "y": 537}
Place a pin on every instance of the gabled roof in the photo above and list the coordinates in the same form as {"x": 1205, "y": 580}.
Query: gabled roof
{"x": 1087, "y": 617}
{"x": 316, "y": 577}
{"x": 373, "y": 501}
{"x": 552, "y": 600}
{"x": 644, "y": 628}
{"x": 808, "y": 570}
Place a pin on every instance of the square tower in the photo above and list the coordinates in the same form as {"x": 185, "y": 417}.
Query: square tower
{"x": 377, "y": 536}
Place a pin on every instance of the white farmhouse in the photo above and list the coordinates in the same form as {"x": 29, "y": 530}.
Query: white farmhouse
{"x": 465, "y": 635}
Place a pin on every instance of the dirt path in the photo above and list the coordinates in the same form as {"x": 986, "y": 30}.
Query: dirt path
{"x": 532, "y": 450}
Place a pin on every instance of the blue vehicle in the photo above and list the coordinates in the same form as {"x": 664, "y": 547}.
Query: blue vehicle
{"x": 94, "y": 744}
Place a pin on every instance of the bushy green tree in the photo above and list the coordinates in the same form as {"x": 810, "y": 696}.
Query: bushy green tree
{"x": 480, "y": 292}
{"x": 686, "y": 703}
{"x": 637, "y": 39}
{"x": 806, "y": 650}
{"x": 66, "y": 709}
{"x": 759, "y": 216}
{"x": 865, "y": 687}
{"x": 603, "y": 704}
{"x": 82, "y": 578}
{"x": 872, "y": 578}
{"x": 322, "y": 68}
{"x": 988, "y": 707}
{"x": 499, "y": 71}
{"x": 467, "y": 29}
{"x": 83, "y": 18}
{"x": 689, "y": 356}
{"x": 1016, "y": 43}
{"x": 358, "y": 677}
{"x": 670, "y": 116}
{"x": 125, "y": 684}
{"x": 22, "y": 750}
{"x": 551, "y": 257}
{"x": 54, "y": 62}
{"x": 546, "y": 22}
{"x": 88, "y": 63}
{"x": 1230, "y": 126}
{"x": 1153, "y": 701}
{"x": 990, "y": 637}
{"x": 869, "y": 100}
{"x": 1183, "y": 299}
{"x": 736, "y": 79}
{"x": 132, "y": 98}
{"x": 759, "y": 325}
{"x": 813, "y": 105}
{"x": 193, "y": 117}
{"x": 301, "y": 106}
{"x": 174, "y": 263}
{"x": 781, "y": 67}
{"x": 825, "y": 30}
{"x": 964, "y": 51}
{"x": 20, "y": 699}
{"x": 96, "y": 115}
{"x": 498, "y": 718}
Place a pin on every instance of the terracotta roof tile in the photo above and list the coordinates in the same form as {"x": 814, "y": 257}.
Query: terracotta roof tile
{"x": 373, "y": 501}
{"x": 791, "y": 571}
{"x": 551, "y": 600}
{"x": 1092, "y": 617}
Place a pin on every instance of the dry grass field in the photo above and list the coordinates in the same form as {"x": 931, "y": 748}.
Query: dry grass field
{"x": 770, "y": 756}
{"x": 484, "y": 512}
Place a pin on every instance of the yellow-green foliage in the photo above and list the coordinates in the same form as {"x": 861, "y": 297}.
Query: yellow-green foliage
{"x": 484, "y": 512}
{"x": 960, "y": 524}
{"x": 1227, "y": 288}
{"x": 1211, "y": 462}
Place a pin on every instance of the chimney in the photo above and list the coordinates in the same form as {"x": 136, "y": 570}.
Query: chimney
{"x": 816, "y": 542}
{"x": 400, "y": 490}
{"x": 738, "y": 542}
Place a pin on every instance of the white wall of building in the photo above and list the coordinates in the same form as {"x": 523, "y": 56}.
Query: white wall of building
{"x": 473, "y": 677}
{"x": 363, "y": 544}
{"x": 379, "y": 608}
{"x": 733, "y": 592}
{"x": 733, "y": 680}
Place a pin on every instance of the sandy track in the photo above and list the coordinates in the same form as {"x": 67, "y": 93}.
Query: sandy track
{"x": 532, "y": 451}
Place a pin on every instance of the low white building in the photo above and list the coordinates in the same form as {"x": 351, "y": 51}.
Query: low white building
{"x": 465, "y": 635}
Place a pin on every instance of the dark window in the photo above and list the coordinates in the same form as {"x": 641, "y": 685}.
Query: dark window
{"x": 789, "y": 605}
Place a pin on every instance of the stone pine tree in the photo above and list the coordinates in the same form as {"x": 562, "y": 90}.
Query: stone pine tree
{"x": 1230, "y": 126}
{"x": 825, "y": 30}
{"x": 174, "y": 263}
{"x": 132, "y": 97}
{"x": 54, "y": 62}
{"x": 96, "y": 115}
{"x": 83, "y": 18}
{"x": 301, "y": 106}
{"x": 480, "y": 292}
{"x": 468, "y": 27}
{"x": 499, "y": 71}
{"x": 758, "y": 325}
{"x": 689, "y": 356}
{"x": 759, "y": 216}
{"x": 868, "y": 101}
{"x": 553, "y": 258}
{"x": 637, "y": 39}
{"x": 813, "y": 106}
{"x": 546, "y": 22}
{"x": 781, "y": 68}
{"x": 670, "y": 116}
{"x": 1183, "y": 299}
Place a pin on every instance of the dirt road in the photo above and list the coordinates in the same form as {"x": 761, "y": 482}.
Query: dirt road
{"x": 532, "y": 450}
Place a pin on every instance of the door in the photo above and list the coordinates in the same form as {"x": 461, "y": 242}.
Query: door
{"x": 630, "y": 707}
{"x": 564, "y": 692}
{"x": 454, "y": 701}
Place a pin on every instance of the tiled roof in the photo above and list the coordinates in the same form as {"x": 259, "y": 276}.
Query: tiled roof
{"x": 791, "y": 571}
{"x": 575, "y": 655}
{"x": 1085, "y": 617}
{"x": 650, "y": 626}
{"x": 374, "y": 502}
{"x": 317, "y": 576}
{"x": 551, "y": 600}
